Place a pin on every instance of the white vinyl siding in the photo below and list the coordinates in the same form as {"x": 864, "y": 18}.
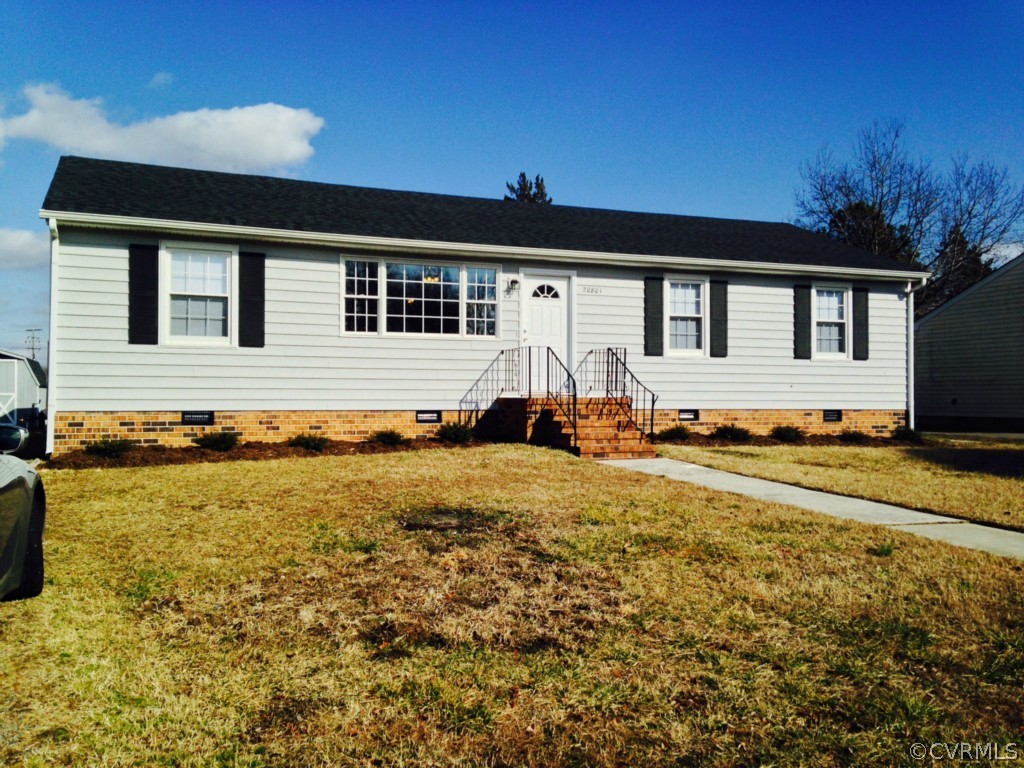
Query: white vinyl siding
{"x": 307, "y": 364}
{"x": 759, "y": 371}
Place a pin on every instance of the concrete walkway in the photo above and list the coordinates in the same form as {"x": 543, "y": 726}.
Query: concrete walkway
{"x": 948, "y": 529}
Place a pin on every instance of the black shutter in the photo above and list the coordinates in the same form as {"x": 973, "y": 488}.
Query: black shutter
{"x": 143, "y": 294}
{"x": 719, "y": 318}
{"x": 654, "y": 316}
{"x": 251, "y": 300}
{"x": 802, "y": 322}
{"x": 860, "y": 323}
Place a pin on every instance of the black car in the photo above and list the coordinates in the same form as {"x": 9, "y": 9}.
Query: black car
{"x": 22, "y": 517}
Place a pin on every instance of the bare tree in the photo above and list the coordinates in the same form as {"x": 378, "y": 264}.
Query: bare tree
{"x": 981, "y": 201}
{"x": 889, "y": 204}
{"x": 882, "y": 200}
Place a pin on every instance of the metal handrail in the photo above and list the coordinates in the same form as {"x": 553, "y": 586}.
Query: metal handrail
{"x": 605, "y": 370}
{"x": 513, "y": 370}
{"x": 561, "y": 388}
{"x": 628, "y": 388}
{"x": 496, "y": 379}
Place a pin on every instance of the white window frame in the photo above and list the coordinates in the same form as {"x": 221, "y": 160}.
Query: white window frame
{"x": 382, "y": 266}
{"x": 164, "y": 301}
{"x": 345, "y": 294}
{"x": 701, "y": 351}
{"x": 847, "y": 291}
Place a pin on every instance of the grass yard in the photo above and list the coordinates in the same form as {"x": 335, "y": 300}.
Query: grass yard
{"x": 979, "y": 480}
{"x": 499, "y": 606}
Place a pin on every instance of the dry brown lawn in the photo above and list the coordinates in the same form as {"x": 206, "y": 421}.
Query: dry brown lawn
{"x": 500, "y": 606}
{"x": 979, "y": 480}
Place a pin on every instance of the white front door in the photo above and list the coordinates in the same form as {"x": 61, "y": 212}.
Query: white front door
{"x": 547, "y": 307}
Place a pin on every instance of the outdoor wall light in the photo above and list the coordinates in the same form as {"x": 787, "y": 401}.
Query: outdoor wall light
{"x": 513, "y": 285}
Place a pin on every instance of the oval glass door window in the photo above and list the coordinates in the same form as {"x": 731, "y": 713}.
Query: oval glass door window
{"x": 545, "y": 291}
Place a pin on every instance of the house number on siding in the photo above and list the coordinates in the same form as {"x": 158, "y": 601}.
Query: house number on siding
{"x": 591, "y": 290}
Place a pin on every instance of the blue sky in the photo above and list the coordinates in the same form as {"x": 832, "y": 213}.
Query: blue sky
{"x": 693, "y": 108}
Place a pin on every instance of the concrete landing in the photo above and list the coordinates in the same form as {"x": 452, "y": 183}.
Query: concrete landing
{"x": 949, "y": 529}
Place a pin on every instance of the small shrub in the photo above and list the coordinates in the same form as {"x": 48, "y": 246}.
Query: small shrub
{"x": 217, "y": 441}
{"x": 732, "y": 432}
{"x": 108, "y": 448}
{"x": 854, "y": 437}
{"x": 387, "y": 437}
{"x": 679, "y": 433}
{"x": 455, "y": 433}
{"x": 788, "y": 434}
{"x": 309, "y": 441}
{"x": 906, "y": 435}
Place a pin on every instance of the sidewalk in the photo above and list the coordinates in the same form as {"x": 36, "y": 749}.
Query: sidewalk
{"x": 948, "y": 529}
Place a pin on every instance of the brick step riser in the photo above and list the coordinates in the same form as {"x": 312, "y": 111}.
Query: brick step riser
{"x": 604, "y": 443}
{"x": 620, "y": 455}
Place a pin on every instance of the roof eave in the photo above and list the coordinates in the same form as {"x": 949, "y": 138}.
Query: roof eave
{"x": 474, "y": 250}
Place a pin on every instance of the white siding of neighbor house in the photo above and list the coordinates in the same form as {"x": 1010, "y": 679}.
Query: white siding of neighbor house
{"x": 30, "y": 394}
{"x": 308, "y": 363}
{"x": 16, "y": 378}
{"x": 973, "y": 350}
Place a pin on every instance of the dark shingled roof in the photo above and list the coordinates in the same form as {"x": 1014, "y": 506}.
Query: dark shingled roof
{"x": 84, "y": 185}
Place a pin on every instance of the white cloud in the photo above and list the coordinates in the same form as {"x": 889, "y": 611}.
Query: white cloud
{"x": 241, "y": 139}
{"x": 160, "y": 79}
{"x": 23, "y": 248}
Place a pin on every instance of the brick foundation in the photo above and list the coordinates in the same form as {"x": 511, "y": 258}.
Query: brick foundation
{"x": 73, "y": 430}
{"x": 761, "y": 422}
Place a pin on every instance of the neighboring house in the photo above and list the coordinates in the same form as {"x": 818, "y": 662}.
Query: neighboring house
{"x": 22, "y": 390}
{"x": 272, "y": 306}
{"x": 970, "y": 356}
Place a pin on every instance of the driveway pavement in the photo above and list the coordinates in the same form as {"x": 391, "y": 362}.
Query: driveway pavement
{"x": 948, "y": 529}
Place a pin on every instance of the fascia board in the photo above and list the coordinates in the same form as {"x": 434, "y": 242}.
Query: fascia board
{"x": 402, "y": 245}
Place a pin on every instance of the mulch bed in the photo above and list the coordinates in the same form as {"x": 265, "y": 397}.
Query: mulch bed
{"x": 706, "y": 441}
{"x": 157, "y": 455}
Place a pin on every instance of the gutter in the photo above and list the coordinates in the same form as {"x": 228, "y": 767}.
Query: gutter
{"x": 51, "y": 355}
{"x": 911, "y": 290}
{"x": 364, "y": 243}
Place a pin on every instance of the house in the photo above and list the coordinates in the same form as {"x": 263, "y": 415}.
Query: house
{"x": 186, "y": 300}
{"x": 970, "y": 356}
{"x": 22, "y": 390}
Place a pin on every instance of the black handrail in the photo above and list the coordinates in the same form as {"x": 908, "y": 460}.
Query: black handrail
{"x": 496, "y": 379}
{"x": 523, "y": 370}
{"x": 629, "y": 389}
{"x": 561, "y": 388}
{"x": 605, "y": 370}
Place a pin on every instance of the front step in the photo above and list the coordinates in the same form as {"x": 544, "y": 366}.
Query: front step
{"x": 602, "y": 431}
{"x": 620, "y": 448}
